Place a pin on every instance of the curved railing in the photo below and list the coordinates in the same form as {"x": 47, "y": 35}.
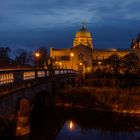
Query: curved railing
{"x": 16, "y": 76}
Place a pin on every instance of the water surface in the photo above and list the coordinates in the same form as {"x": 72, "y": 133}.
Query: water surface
{"x": 61, "y": 124}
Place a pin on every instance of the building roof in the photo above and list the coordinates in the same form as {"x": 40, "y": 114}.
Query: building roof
{"x": 113, "y": 50}
{"x": 61, "y": 49}
{"x": 83, "y": 33}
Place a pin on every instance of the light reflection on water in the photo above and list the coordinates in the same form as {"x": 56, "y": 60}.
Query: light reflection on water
{"x": 72, "y": 131}
{"x": 61, "y": 124}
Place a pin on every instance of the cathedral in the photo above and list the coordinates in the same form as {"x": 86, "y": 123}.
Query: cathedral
{"x": 82, "y": 56}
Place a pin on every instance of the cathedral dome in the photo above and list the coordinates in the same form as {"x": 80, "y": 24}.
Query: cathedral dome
{"x": 83, "y": 33}
{"x": 83, "y": 37}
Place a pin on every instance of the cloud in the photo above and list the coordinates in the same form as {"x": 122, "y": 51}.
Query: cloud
{"x": 26, "y": 21}
{"x": 38, "y": 14}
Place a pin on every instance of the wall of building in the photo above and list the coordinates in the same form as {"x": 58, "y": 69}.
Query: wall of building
{"x": 83, "y": 47}
{"x": 59, "y": 52}
{"x": 61, "y": 58}
{"x": 104, "y": 54}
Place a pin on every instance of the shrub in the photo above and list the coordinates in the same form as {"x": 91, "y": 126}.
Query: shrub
{"x": 105, "y": 98}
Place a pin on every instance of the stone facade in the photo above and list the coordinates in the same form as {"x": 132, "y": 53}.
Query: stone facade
{"x": 135, "y": 45}
{"x": 82, "y": 59}
{"x": 83, "y": 37}
{"x": 61, "y": 58}
{"x": 82, "y": 56}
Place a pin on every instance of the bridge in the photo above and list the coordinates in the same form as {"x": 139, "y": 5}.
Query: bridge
{"x": 22, "y": 90}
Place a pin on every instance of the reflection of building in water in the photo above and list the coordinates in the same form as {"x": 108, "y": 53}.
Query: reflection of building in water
{"x": 84, "y": 57}
{"x": 70, "y": 125}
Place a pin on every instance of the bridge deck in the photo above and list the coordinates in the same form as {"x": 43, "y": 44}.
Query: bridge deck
{"x": 13, "y": 80}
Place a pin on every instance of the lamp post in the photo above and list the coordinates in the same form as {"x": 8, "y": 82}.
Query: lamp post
{"x": 81, "y": 66}
{"x": 72, "y": 55}
{"x": 37, "y": 55}
{"x": 80, "y": 63}
{"x": 60, "y": 64}
{"x": 56, "y": 64}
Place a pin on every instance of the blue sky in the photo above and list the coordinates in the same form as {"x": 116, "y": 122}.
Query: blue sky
{"x": 53, "y": 23}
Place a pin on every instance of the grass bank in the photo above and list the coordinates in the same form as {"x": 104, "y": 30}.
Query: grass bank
{"x": 101, "y": 98}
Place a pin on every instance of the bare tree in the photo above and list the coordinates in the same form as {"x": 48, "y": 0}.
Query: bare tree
{"x": 130, "y": 62}
{"x": 4, "y": 56}
{"x": 114, "y": 61}
{"x": 23, "y": 58}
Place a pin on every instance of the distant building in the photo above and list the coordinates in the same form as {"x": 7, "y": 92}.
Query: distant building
{"x": 135, "y": 45}
{"x": 83, "y": 37}
{"x": 82, "y": 56}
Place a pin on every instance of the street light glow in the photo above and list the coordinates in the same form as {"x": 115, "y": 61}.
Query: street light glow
{"x": 37, "y": 54}
{"x": 99, "y": 62}
{"x": 81, "y": 64}
{"x": 71, "y": 54}
{"x": 71, "y": 125}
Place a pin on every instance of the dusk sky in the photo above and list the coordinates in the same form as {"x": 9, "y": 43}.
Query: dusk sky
{"x": 53, "y": 23}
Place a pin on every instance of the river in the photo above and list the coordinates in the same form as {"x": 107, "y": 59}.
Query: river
{"x": 71, "y": 124}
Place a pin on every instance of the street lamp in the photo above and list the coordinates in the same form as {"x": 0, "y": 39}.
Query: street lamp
{"x": 72, "y": 55}
{"x": 80, "y": 67}
{"x": 37, "y": 55}
{"x": 60, "y": 64}
{"x": 99, "y": 62}
{"x": 56, "y": 64}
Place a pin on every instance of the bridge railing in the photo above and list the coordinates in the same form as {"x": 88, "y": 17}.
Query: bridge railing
{"x": 16, "y": 76}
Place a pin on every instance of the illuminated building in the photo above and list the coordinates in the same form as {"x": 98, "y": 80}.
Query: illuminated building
{"x": 135, "y": 45}
{"x": 82, "y": 56}
{"x": 100, "y": 55}
{"x": 79, "y": 57}
{"x": 83, "y": 37}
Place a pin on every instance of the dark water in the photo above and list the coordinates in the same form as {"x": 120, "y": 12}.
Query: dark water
{"x": 60, "y": 124}
{"x": 73, "y": 131}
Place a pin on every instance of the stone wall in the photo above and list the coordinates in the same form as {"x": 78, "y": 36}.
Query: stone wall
{"x": 104, "y": 54}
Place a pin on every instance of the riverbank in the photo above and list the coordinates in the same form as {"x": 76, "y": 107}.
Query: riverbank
{"x": 108, "y": 99}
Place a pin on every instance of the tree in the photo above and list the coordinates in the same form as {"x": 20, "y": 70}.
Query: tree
{"x": 4, "y": 56}
{"x": 114, "y": 61}
{"x": 23, "y": 57}
{"x": 130, "y": 62}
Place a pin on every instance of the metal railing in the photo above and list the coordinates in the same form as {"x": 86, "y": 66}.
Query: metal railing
{"x": 16, "y": 76}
